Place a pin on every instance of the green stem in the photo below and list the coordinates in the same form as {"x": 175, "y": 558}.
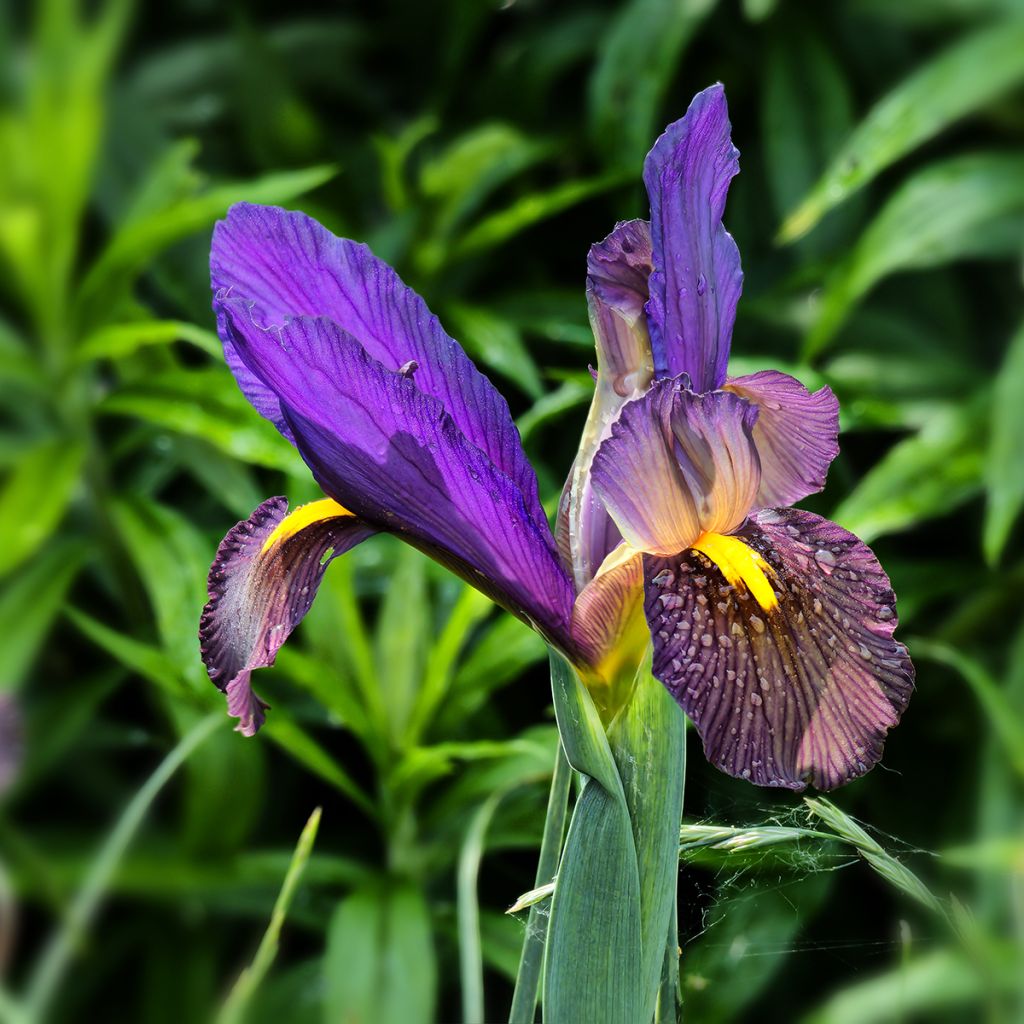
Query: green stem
{"x": 57, "y": 956}
{"x": 668, "y": 995}
{"x": 236, "y": 1005}
{"x": 531, "y": 960}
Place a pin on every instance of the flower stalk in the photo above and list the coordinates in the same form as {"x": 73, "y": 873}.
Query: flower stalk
{"x": 615, "y": 893}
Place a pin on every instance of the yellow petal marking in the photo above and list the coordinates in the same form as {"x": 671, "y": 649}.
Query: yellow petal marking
{"x": 303, "y": 516}
{"x": 740, "y": 563}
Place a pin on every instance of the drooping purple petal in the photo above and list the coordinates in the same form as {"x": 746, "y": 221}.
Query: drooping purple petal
{"x": 617, "y": 272}
{"x": 391, "y": 453}
{"x": 803, "y": 692}
{"x": 697, "y": 277}
{"x": 284, "y": 264}
{"x": 677, "y": 464}
{"x": 261, "y": 585}
{"x": 796, "y": 434}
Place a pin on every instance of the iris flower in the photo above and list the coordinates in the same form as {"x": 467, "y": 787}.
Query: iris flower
{"x": 772, "y": 627}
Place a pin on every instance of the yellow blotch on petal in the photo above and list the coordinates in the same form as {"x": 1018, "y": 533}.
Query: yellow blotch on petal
{"x": 305, "y": 515}
{"x": 740, "y": 564}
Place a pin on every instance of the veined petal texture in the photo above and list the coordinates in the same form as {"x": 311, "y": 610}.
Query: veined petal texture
{"x": 677, "y": 464}
{"x": 261, "y": 585}
{"x": 796, "y": 434}
{"x": 285, "y": 264}
{"x": 801, "y": 691}
{"x": 697, "y": 277}
{"x": 393, "y": 455}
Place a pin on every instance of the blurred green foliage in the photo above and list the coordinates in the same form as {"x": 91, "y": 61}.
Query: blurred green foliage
{"x": 481, "y": 148}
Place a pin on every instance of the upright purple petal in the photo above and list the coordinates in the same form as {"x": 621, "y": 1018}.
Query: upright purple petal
{"x": 617, "y": 272}
{"x": 677, "y": 464}
{"x": 391, "y": 453}
{"x": 261, "y": 585}
{"x": 697, "y": 277}
{"x": 796, "y": 434}
{"x": 285, "y": 264}
{"x": 801, "y": 691}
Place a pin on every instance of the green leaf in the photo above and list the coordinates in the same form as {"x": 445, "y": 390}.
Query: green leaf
{"x": 471, "y": 959}
{"x": 461, "y": 176}
{"x": 142, "y": 658}
{"x": 116, "y": 341}
{"x": 648, "y": 742}
{"x": 924, "y": 476}
{"x": 44, "y": 982}
{"x": 968, "y": 75}
{"x": 1004, "y": 719}
{"x": 34, "y": 498}
{"x": 594, "y": 963}
{"x": 294, "y": 740}
{"x": 172, "y": 560}
{"x": 380, "y": 964}
{"x": 234, "y": 1009}
{"x": 639, "y": 56}
{"x": 402, "y": 639}
{"x": 496, "y": 343}
{"x": 205, "y": 404}
{"x": 140, "y": 240}
{"x": 29, "y": 603}
{"x": 497, "y": 228}
{"x": 932, "y": 986}
{"x": 1005, "y": 467}
{"x": 964, "y": 207}
{"x": 806, "y": 113}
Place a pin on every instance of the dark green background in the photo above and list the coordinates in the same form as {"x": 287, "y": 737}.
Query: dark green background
{"x": 481, "y": 151}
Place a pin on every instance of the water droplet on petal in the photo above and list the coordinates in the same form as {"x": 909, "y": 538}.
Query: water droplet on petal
{"x": 826, "y": 560}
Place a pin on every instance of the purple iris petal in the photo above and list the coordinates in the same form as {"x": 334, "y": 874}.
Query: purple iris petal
{"x": 260, "y": 592}
{"x": 617, "y": 272}
{"x": 285, "y": 264}
{"x": 796, "y": 434}
{"x": 802, "y": 693}
{"x": 677, "y": 464}
{"x": 393, "y": 455}
{"x": 697, "y": 277}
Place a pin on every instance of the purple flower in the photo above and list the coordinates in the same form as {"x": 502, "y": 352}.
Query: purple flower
{"x": 772, "y": 627}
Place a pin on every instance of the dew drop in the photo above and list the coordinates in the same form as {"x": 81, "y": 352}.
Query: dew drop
{"x": 826, "y": 560}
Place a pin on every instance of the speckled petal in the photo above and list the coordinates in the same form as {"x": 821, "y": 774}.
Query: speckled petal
{"x": 697, "y": 277}
{"x": 796, "y": 434}
{"x": 284, "y": 264}
{"x": 261, "y": 584}
{"x": 801, "y": 693}
{"x": 677, "y": 464}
